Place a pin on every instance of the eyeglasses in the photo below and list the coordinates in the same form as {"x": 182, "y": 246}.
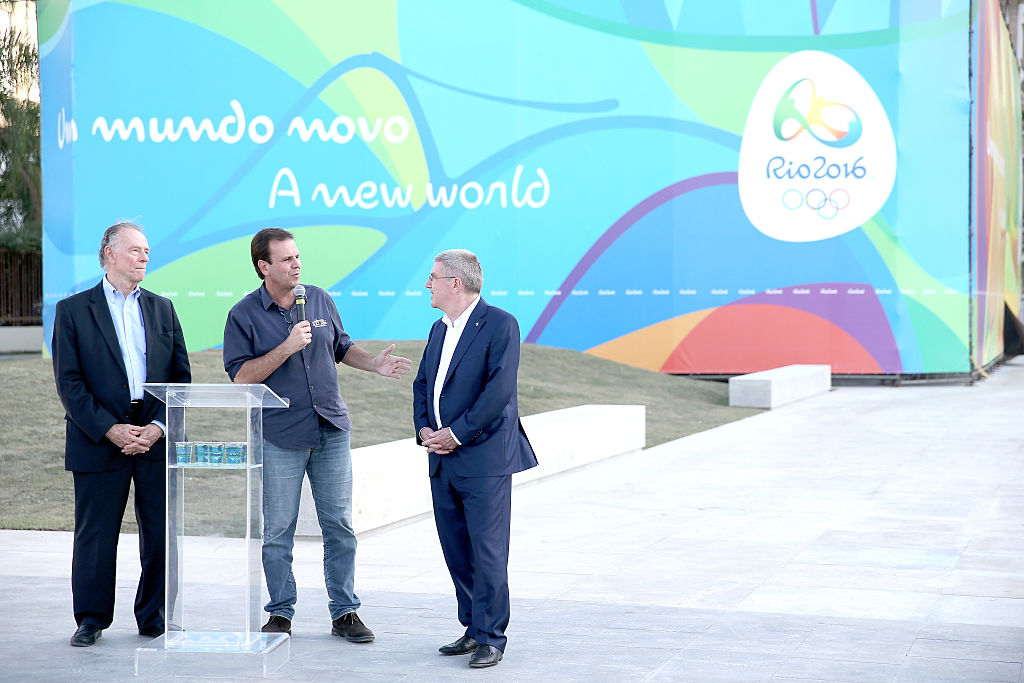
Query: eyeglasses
{"x": 442, "y": 277}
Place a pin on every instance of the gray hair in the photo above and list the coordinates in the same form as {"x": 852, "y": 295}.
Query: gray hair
{"x": 465, "y": 265}
{"x": 112, "y": 239}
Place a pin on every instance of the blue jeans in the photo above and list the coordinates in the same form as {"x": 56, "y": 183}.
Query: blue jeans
{"x": 329, "y": 467}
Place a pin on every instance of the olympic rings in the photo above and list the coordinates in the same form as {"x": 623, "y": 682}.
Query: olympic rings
{"x": 791, "y": 195}
{"x": 812, "y": 199}
{"x": 827, "y": 206}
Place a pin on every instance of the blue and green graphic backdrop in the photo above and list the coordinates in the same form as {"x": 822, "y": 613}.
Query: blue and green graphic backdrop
{"x": 708, "y": 186}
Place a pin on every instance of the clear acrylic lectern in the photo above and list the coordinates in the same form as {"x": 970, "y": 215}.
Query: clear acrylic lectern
{"x": 213, "y": 623}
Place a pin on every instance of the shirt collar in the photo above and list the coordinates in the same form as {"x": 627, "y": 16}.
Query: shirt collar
{"x": 460, "y": 322}
{"x": 265, "y": 297}
{"x": 111, "y": 293}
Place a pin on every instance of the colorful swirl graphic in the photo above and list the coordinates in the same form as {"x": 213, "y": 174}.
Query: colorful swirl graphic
{"x": 634, "y": 112}
{"x": 801, "y": 108}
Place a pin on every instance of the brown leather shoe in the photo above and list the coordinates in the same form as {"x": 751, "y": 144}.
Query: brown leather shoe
{"x": 462, "y": 646}
{"x": 351, "y": 628}
{"x": 277, "y": 624}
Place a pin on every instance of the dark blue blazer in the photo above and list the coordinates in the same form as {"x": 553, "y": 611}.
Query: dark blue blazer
{"x": 478, "y": 399}
{"x": 92, "y": 381}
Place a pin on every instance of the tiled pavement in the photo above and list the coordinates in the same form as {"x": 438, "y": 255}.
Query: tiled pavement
{"x": 870, "y": 534}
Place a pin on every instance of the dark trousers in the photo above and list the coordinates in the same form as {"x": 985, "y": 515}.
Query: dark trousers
{"x": 473, "y": 517}
{"x": 100, "y": 500}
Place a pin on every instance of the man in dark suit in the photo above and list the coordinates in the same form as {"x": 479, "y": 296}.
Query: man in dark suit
{"x": 107, "y": 341}
{"x": 466, "y": 413}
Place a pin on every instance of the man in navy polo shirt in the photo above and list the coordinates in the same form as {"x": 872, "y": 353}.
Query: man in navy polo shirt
{"x": 264, "y": 342}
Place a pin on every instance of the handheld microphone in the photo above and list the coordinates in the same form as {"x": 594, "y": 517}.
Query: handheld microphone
{"x": 300, "y": 302}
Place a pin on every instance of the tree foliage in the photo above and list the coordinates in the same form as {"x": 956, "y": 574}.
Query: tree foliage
{"x": 21, "y": 202}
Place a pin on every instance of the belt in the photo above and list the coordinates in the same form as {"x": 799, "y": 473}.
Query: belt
{"x": 135, "y": 412}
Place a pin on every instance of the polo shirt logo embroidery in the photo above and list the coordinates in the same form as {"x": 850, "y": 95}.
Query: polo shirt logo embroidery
{"x": 319, "y": 322}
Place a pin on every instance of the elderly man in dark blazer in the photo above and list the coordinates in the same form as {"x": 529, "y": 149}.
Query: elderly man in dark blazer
{"x": 107, "y": 341}
{"x": 466, "y": 413}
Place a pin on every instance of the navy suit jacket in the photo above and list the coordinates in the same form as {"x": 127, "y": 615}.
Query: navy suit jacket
{"x": 478, "y": 399}
{"x": 92, "y": 381}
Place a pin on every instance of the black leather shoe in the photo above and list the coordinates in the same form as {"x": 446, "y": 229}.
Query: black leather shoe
{"x": 462, "y": 646}
{"x": 86, "y": 635}
{"x": 152, "y": 631}
{"x": 485, "y": 655}
{"x": 351, "y": 628}
{"x": 277, "y": 624}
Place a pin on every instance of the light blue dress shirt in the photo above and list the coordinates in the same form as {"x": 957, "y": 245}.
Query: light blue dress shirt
{"x": 131, "y": 336}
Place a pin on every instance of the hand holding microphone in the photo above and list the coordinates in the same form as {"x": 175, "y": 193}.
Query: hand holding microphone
{"x": 302, "y": 333}
{"x": 300, "y": 302}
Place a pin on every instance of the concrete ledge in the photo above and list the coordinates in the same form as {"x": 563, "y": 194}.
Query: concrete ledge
{"x": 778, "y": 386}
{"x": 21, "y": 339}
{"x": 390, "y": 482}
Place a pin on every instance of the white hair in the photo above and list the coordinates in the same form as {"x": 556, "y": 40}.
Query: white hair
{"x": 464, "y": 264}
{"x": 112, "y": 239}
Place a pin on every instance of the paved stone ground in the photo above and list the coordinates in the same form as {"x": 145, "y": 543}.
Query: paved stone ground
{"x": 870, "y": 534}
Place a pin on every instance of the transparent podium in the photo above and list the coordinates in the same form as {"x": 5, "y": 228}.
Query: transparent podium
{"x": 213, "y": 607}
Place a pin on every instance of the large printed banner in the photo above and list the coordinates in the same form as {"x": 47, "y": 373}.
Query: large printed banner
{"x": 995, "y": 216}
{"x": 691, "y": 186}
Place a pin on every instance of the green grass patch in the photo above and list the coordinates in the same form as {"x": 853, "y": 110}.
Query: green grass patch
{"x": 37, "y": 493}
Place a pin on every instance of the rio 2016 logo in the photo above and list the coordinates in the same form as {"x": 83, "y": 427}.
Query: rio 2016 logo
{"x": 801, "y": 108}
{"x": 818, "y": 156}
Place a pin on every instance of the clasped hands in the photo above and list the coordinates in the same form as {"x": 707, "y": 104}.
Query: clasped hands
{"x": 132, "y": 439}
{"x": 441, "y": 442}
